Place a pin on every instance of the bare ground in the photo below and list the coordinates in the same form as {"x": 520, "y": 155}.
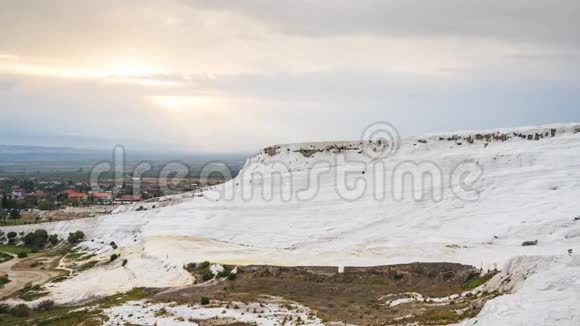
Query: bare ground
{"x": 34, "y": 270}
{"x": 361, "y": 296}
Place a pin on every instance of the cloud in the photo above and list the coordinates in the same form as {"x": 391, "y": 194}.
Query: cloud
{"x": 223, "y": 75}
{"x": 7, "y": 84}
{"x": 516, "y": 20}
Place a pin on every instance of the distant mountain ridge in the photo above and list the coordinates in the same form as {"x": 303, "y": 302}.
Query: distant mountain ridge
{"x": 42, "y": 153}
{"x": 28, "y": 153}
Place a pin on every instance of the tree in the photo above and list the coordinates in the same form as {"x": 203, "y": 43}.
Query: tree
{"x": 27, "y": 185}
{"x": 46, "y": 205}
{"x": 8, "y": 203}
{"x": 15, "y": 214}
{"x": 36, "y": 239}
{"x": 27, "y": 202}
{"x": 12, "y": 236}
{"x": 75, "y": 237}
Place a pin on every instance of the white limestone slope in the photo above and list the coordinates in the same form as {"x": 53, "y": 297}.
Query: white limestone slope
{"x": 547, "y": 292}
{"x": 528, "y": 190}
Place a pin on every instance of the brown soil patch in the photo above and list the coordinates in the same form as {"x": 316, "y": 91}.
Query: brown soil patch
{"x": 357, "y": 296}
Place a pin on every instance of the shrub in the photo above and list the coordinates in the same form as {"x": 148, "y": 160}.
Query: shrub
{"x": 203, "y": 265}
{"x": 232, "y": 276}
{"x": 15, "y": 214}
{"x": 161, "y": 312}
{"x": 45, "y": 305}
{"x": 204, "y": 301}
{"x": 224, "y": 273}
{"x": 20, "y": 310}
{"x": 114, "y": 257}
{"x": 12, "y": 235}
{"x": 4, "y": 280}
{"x": 125, "y": 261}
{"x": 53, "y": 239}
{"x": 4, "y": 308}
{"x": 206, "y": 275}
{"x": 75, "y": 237}
{"x": 22, "y": 255}
{"x": 478, "y": 281}
{"x": 191, "y": 267}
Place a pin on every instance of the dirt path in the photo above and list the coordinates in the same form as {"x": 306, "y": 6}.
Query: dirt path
{"x": 20, "y": 273}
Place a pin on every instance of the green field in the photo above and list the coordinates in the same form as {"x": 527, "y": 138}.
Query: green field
{"x": 14, "y": 249}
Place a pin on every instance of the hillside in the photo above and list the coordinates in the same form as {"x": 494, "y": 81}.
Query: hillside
{"x": 291, "y": 205}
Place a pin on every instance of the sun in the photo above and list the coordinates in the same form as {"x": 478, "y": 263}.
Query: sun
{"x": 180, "y": 103}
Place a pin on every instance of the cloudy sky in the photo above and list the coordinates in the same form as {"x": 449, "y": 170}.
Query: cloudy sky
{"x": 217, "y": 75}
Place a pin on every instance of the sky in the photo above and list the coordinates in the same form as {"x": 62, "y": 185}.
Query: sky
{"x": 235, "y": 76}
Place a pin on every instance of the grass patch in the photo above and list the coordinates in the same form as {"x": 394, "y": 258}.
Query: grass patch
{"x": 5, "y": 257}
{"x": 118, "y": 299}
{"x": 11, "y": 222}
{"x": 86, "y": 257}
{"x": 89, "y": 315}
{"x": 31, "y": 293}
{"x": 15, "y": 250}
{"x": 75, "y": 254}
{"x": 57, "y": 316}
{"x": 479, "y": 281}
{"x": 3, "y": 281}
{"x": 59, "y": 279}
{"x": 203, "y": 272}
{"x": 88, "y": 265}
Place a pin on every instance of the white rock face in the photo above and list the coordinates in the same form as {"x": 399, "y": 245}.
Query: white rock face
{"x": 269, "y": 314}
{"x": 301, "y": 213}
{"x": 547, "y": 292}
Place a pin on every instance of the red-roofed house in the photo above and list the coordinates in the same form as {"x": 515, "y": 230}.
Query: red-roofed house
{"x": 102, "y": 197}
{"x": 73, "y": 194}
